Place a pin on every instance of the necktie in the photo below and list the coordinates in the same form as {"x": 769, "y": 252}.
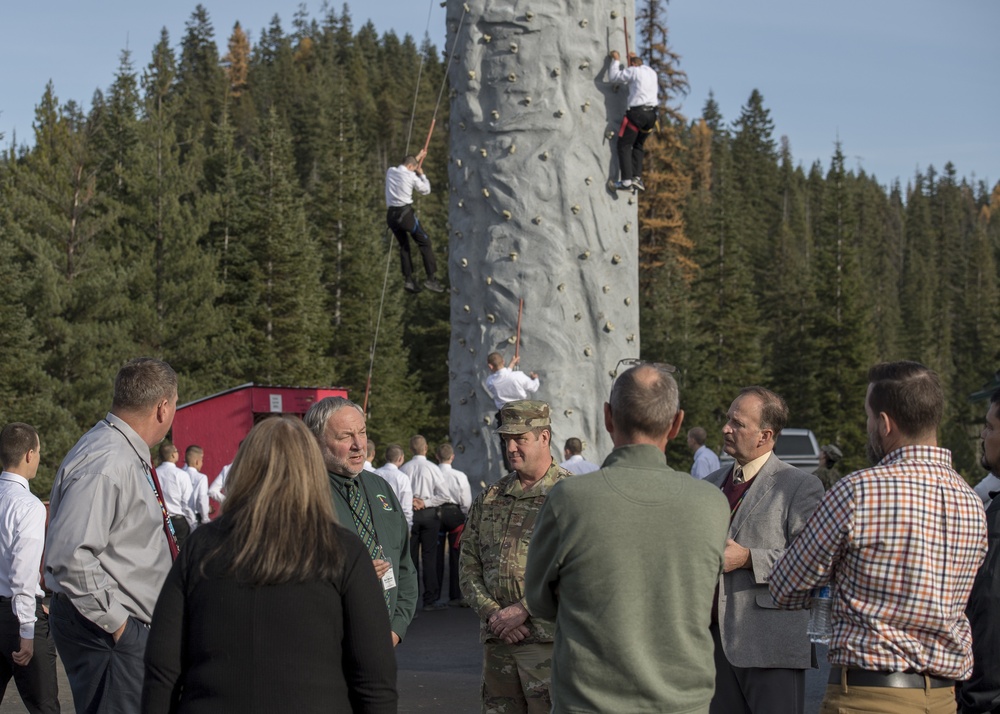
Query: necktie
{"x": 363, "y": 523}
{"x": 738, "y": 475}
{"x": 168, "y": 527}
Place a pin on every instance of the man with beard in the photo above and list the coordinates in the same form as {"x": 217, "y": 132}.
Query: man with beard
{"x": 982, "y": 692}
{"x": 899, "y": 545}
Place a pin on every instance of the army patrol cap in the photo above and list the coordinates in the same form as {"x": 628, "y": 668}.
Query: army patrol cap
{"x": 832, "y": 452}
{"x": 522, "y": 416}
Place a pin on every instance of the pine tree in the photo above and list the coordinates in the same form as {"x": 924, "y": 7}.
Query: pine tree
{"x": 173, "y": 285}
{"x": 842, "y": 336}
{"x": 78, "y": 301}
{"x": 27, "y": 393}
{"x": 281, "y": 312}
{"x": 201, "y": 82}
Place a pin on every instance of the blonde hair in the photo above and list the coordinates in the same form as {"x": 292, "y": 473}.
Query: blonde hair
{"x": 278, "y": 510}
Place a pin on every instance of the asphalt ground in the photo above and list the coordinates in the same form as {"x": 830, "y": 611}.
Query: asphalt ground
{"x": 439, "y": 667}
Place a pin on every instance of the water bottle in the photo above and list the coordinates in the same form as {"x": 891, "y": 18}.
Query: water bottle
{"x": 820, "y": 628}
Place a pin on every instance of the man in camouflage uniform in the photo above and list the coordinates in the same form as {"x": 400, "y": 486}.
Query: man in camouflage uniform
{"x": 517, "y": 662}
{"x": 828, "y": 456}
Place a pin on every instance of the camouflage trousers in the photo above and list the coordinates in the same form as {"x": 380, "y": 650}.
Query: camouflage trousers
{"x": 516, "y": 678}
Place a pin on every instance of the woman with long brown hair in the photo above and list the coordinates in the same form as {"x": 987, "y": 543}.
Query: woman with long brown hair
{"x": 273, "y": 606}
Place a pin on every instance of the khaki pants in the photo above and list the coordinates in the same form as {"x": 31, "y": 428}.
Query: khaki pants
{"x": 516, "y": 678}
{"x": 844, "y": 699}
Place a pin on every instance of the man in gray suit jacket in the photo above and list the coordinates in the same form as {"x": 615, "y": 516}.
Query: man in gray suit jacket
{"x": 761, "y": 652}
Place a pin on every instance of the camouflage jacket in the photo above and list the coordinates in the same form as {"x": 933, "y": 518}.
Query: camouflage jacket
{"x": 495, "y": 549}
{"x": 827, "y": 476}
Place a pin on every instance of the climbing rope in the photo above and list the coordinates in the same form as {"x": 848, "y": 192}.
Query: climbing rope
{"x": 413, "y": 113}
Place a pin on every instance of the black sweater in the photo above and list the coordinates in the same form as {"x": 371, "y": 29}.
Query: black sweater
{"x": 218, "y": 646}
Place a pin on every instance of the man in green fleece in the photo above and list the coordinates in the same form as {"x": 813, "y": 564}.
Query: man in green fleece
{"x": 626, "y": 559}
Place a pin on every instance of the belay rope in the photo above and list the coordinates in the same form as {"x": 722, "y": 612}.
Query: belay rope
{"x": 413, "y": 112}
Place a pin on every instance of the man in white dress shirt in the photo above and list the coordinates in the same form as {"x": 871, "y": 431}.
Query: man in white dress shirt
{"x": 194, "y": 459}
{"x": 640, "y": 119}
{"x": 705, "y": 460}
{"x": 26, "y": 652}
{"x": 399, "y": 184}
{"x": 429, "y": 495}
{"x": 217, "y": 489}
{"x": 504, "y": 384}
{"x": 399, "y": 481}
{"x": 176, "y": 490}
{"x": 452, "y": 521}
{"x": 575, "y": 463}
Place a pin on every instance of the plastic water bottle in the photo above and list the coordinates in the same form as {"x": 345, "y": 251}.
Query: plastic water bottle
{"x": 820, "y": 628}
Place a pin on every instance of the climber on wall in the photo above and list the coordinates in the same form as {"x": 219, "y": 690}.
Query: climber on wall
{"x": 639, "y": 121}
{"x": 402, "y": 220}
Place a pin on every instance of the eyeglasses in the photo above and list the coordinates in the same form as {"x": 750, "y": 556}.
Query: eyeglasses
{"x": 630, "y": 362}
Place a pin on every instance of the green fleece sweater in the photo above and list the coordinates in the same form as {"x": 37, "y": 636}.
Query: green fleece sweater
{"x": 626, "y": 559}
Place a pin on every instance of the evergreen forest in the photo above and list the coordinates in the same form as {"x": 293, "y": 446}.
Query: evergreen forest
{"x": 220, "y": 205}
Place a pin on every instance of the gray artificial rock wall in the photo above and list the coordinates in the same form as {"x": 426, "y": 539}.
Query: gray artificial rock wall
{"x": 533, "y": 124}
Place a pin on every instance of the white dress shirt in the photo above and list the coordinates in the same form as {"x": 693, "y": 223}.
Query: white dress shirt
{"x": 199, "y": 492}
{"x": 401, "y": 486}
{"x": 506, "y": 385}
{"x": 459, "y": 490}
{"x": 427, "y": 481}
{"x": 642, "y": 82}
{"x": 576, "y": 464}
{"x": 983, "y": 488}
{"x": 217, "y": 491}
{"x": 175, "y": 488}
{"x": 399, "y": 185}
{"x": 22, "y": 540}
{"x": 705, "y": 462}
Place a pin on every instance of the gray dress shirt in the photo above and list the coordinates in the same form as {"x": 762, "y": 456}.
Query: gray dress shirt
{"x": 106, "y": 549}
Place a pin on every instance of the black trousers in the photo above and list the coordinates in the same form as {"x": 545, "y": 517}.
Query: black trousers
{"x": 755, "y": 690}
{"x": 423, "y": 544}
{"x": 451, "y": 518}
{"x": 641, "y": 121}
{"x": 403, "y": 223}
{"x": 36, "y": 682}
{"x": 105, "y": 676}
{"x": 182, "y": 529}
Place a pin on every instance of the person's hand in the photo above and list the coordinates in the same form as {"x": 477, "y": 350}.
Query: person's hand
{"x": 381, "y": 567}
{"x": 118, "y": 633}
{"x": 513, "y": 362}
{"x": 735, "y": 556}
{"x": 615, "y": 56}
{"x": 533, "y": 375}
{"x": 395, "y": 639}
{"x": 504, "y": 622}
{"x": 23, "y": 655}
{"x": 516, "y": 635}
{"x": 418, "y": 504}
{"x": 422, "y": 155}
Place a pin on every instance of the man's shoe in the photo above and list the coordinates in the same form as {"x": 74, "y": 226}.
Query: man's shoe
{"x": 435, "y": 606}
{"x": 621, "y": 186}
{"x": 411, "y": 287}
{"x": 434, "y": 286}
{"x": 638, "y": 184}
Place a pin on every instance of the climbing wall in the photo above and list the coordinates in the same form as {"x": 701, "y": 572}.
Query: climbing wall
{"x": 531, "y": 216}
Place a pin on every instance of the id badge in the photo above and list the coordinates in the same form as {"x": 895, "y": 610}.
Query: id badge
{"x": 389, "y": 579}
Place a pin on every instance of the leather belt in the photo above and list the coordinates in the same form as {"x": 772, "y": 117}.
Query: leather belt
{"x": 893, "y": 680}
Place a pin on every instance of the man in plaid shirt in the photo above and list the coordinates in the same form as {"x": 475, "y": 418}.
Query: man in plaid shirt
{"x": 899, "y": 544}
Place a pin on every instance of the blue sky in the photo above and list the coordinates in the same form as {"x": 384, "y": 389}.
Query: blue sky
{"x": 903, "y": 84}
